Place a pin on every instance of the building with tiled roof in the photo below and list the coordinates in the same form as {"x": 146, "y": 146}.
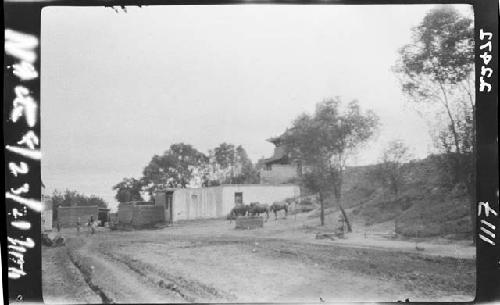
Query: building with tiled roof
{"x": 279, "y": 168}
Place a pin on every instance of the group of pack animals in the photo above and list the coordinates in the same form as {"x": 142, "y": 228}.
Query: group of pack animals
{"x": 256, "y": 208}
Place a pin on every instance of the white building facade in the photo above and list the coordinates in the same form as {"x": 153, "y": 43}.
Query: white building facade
{"x": 46, "y": 211}
{"x": 217, "y": 201}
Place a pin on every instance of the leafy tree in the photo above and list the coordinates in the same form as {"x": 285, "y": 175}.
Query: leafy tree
{"x": 437, "y": 73}
{"x": 324, "y": 141}
{"x": 182, "y": 165}
{"x": 246, "y": 171}
{"x": 175, "y": 168}
{"x": 390, "y": 172}
{"x": 129, "y": 189}
{"x": 225, "y": 155}
{"x": 231, "y": 165}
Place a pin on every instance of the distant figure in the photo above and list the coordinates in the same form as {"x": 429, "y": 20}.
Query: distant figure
{"x": 91, "y": 225}
{"x": 58, "y": 225}
{"x": 78, "y": 224}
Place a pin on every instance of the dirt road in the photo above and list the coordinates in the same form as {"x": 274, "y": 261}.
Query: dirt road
{"x": 209, "y": 261}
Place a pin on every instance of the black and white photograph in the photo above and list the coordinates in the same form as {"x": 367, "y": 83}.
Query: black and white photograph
{"x": 258, "y": 153}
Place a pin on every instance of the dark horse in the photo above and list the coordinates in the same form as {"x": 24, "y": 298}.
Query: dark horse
{"x": 239, "y": 210}
{"x": 277, "y": 206}
{"x": 259, "y": 208}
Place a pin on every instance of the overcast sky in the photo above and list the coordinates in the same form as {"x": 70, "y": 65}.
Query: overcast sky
{"x": 118, "y": 88}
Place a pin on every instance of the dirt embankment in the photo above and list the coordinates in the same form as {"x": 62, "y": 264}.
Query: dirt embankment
{"x": 424, "y": 207}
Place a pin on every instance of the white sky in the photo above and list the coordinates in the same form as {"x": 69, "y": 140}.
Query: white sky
{"x": 118, "y": 88}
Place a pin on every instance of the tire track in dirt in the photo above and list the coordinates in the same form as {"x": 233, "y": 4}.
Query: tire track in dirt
{"x": 88, "y": 279}
{"x": 114, "y": 282}
{"x": 57, "y": 271}
{"x": 190, "y": 290}
{"x": 149, "y": 277}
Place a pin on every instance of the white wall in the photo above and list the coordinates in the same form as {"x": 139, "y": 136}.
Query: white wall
{"x": 258, "y": 193}
{"x": 197, "y": 203}
{"x": 212, "y": 202}
{"x": 46, "y": 213}
{"x": 46, "y": 220}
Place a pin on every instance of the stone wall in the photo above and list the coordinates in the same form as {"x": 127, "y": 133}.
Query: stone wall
{"x": 249, "y": 222}
{"x": 144, "y": 215}
{"x": 68, "y": 216}
{"x": 140, "y": 215}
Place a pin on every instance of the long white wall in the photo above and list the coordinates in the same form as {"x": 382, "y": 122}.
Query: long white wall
{"x": 259, "y": 193}
{"x": 212, "y": 202}
{"x": 197, "y": 203}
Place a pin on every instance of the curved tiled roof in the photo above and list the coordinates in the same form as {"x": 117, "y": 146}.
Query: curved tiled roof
{"x": 279, "y": 155}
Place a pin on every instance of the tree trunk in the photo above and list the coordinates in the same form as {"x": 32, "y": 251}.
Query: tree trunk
{"x": 349, "y": 228}
{"x": 338, "y": 198}
{"x": 337, "y": 190}
{"x": 322, "y": 210}
{"x": 473, "y": 212}
{"x": 472, "y": 184}
{"x": 457, "y": 154}
{"x": 452, "y": 121}
{"x": 470, "y": 188}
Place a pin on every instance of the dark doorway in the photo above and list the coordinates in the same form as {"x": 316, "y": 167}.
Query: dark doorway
{"x": 103, "y": 216}
{"x": 169, "y": 199}
{"x": 238, "y": 198}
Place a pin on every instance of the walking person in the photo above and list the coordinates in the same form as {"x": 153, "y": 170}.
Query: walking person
{"x": 78, "y": 224}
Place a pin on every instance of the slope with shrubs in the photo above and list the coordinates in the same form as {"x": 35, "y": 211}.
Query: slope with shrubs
{"x": 425, "y": 206}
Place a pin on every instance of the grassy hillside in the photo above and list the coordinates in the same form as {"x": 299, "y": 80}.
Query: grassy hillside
{"x": 424, "y": 207}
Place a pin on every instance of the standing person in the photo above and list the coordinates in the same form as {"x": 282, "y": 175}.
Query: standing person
{"x": 58, "y": 225}
{"x": 89, "y": 223}
{"x": 92, "y": 224}
{"x": 78, "y": 224}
